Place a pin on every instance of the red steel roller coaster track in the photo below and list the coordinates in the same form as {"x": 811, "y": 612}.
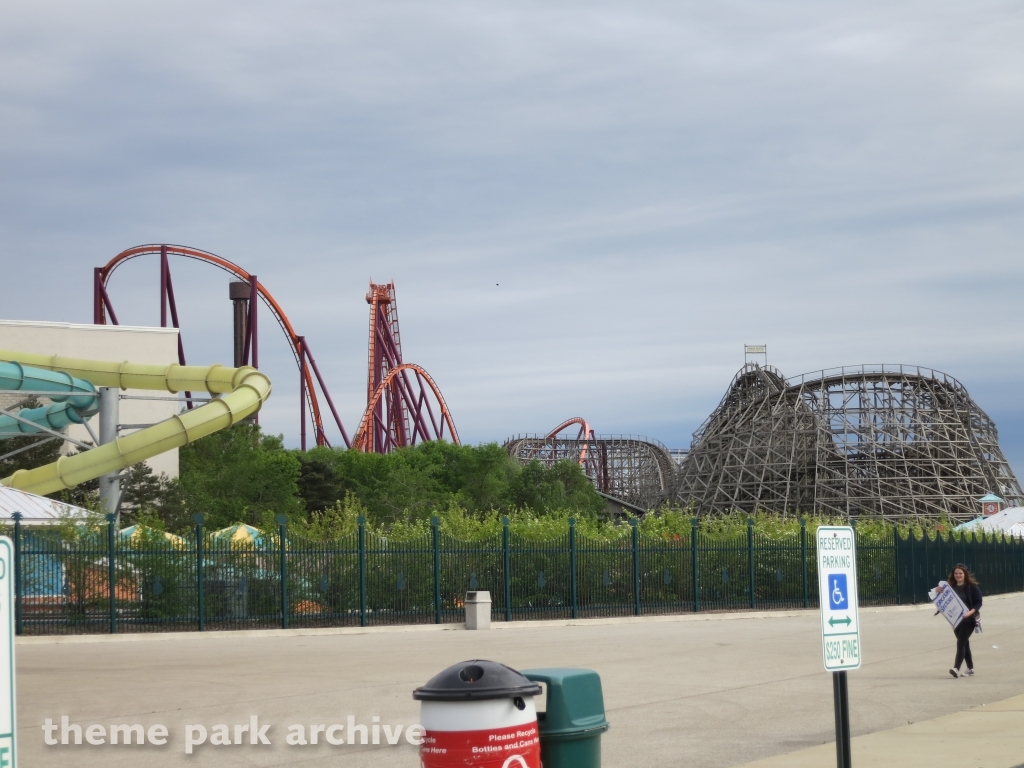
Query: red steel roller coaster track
{"x": 398, "y": 409}
{"x": 585, "y": 435}
{"x": 407, "y": 416}
{"x": 306, "y": 363}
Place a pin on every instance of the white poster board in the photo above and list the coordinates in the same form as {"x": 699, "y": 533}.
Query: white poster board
{"x": 948, "y": 603}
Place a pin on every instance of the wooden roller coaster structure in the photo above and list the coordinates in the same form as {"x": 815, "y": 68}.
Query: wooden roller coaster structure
{"x": 632, "y": 469}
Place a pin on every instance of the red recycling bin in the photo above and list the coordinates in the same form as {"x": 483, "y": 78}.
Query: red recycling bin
{"x": 479, "y": 714}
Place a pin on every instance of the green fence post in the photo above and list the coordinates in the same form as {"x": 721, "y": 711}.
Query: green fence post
{"x": 1019, "y": 544}
{"x": 572, "y": 567}
{"x": 18, "y": 628}
{"x": 750, "y": 559}
{"x": 896, "y": 562}
{"x": 362, "y": 570}
{"x": 695, "y": 566}
{"x": 856, "y": 565}
{"x": 911, "y": 545}
{"x": 111, "y": 572}
{"x": 282, "y": 533}
{"x": 200, "y": 588}
{"x": 635, "y": 525}
{"x": 803, "y": 560}
{"x": 506, "y": 552}
{"x": 927, "y": 570}
{"x": 435, "y": 532}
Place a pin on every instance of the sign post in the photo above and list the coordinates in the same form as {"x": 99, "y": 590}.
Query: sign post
{"x": 840, "y": 622}
{"x": 7, "y": 699}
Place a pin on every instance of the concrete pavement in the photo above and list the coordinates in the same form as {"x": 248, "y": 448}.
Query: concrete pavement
{"x": 989, "y": 736}
{"x": 709, "y": 690}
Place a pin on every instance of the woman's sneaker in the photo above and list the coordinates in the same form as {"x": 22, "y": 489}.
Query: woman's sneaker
{"x": 953, "y": 672}
{"x": 969, "y": 673}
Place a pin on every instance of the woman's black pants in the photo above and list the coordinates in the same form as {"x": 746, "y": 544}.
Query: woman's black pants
{"x": 963, "y": 634}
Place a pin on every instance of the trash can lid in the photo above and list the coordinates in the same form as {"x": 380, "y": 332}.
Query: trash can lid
{"x": 476, "y": 679}
{"x": 575, "y": 703}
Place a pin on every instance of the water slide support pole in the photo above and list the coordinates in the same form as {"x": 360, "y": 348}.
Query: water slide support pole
{"x": 110, "y": 483}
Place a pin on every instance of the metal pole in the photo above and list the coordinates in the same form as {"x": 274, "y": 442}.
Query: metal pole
{"x": 163, "y": 286}
{"x": 803, "y": 559}
{"x": 362, "y": 570}
{"x": 896, "y": 562}
{"x": 750, "y": 560}
{"x": 330, "y": 402}
{"x": 302, "y": 390}
{"x": 841, "y": 702}
{"x": 847, "y": 758}
{"x": 913, "y": 566}
{"x": 110, "y": 483}
{"x": 18, "y": 628}
{"x": 200, "y": 602}
{"x": 507, "y": 556}
{"x": 239, "y": 292}
{"x": 635, "y": 525}
{"x": 282, "y": 522}
{"x": 435, "y": 533}
{"x": 111, "y": 572}
{"x": 695, "y": 565}
{"x": 573, "y": 586}
{"x": 925, "y": 541}
{"x": 97, "y": 297}
{"x": 254, "y": 337}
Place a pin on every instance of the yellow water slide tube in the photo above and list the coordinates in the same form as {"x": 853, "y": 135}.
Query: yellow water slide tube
{"x": 240, "y": 392}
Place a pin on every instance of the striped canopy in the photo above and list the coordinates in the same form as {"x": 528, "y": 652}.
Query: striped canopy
{"x": 134, "y": 533}
{"x": 239, "y": 533}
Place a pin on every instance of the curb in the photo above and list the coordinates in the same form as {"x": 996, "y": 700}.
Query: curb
{"x": 681, "y": 618}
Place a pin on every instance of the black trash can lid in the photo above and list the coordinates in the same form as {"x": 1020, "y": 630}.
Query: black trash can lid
{"x": 477, "y": 679}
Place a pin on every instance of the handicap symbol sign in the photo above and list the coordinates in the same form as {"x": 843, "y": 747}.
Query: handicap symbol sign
{"x": 838, "y": 596}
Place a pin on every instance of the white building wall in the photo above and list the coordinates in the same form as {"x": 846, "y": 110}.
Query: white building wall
{"x": 158, "y": 346}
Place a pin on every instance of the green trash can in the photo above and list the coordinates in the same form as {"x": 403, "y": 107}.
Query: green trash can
{"x": 573, "y": 720}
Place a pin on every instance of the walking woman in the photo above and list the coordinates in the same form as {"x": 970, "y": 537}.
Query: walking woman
{"x": 966, "y": 586}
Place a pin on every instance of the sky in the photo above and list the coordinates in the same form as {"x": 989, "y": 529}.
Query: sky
{"x": 588, "y": 208}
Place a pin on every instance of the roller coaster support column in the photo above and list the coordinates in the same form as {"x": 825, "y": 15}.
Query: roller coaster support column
{"x": 110, "y": 483}
{"x": 321, "y": 438}
{"x": 239, "y": 292}
{"x": 167, "y": 301}
{"x": 302, "y": 389}
{"x": 244, "y": 296}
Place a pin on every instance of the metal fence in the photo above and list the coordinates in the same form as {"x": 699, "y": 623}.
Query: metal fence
{"x": 99, "y": 581}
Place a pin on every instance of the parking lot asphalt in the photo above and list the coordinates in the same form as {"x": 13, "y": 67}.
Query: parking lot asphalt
{"x": 710, "y": 691}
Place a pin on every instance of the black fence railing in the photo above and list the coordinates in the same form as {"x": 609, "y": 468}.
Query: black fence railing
{"x": 102, "y": 581}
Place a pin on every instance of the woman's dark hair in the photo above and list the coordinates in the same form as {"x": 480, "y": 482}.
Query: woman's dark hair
{"x": 968, "y": 576}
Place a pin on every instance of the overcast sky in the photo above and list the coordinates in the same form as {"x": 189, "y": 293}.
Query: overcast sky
{"x": 588, "y": 208}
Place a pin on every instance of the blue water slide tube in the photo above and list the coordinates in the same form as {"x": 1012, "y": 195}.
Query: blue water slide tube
{"x": 75, "y": 400}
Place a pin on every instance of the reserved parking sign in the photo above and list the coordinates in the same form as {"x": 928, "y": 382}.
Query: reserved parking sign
{"x": 837, "y": 593}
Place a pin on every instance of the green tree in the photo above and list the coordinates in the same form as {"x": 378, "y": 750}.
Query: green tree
{"x": 414, "y": 483}
{"x": 148, "y": 495}
{"x": 239, "y": 475}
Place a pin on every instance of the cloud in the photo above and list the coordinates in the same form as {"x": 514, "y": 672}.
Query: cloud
{"x": 652, "y": 185}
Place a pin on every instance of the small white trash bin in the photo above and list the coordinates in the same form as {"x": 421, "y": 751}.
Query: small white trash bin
{"x": 478, "y": 610}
